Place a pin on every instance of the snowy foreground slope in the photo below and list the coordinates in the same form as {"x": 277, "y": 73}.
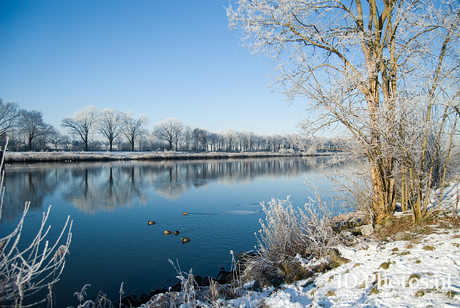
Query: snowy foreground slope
{"x": 409, "y": 275}
{"x": 423, "y": 270}
{"x": 426, "y": 274}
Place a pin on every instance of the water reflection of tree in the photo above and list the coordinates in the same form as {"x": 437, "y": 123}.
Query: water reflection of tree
{"x": 28, "y": 183}
{"x": 169, "y": 179}
{"x": 92, "y": 187}
{"x": 96, "y": 188}
{"x": 172, "y": 178}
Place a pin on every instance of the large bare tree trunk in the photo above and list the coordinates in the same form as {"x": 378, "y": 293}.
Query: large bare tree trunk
{"x": 384, "y": 70}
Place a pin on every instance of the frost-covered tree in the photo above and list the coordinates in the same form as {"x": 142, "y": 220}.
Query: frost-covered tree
{"x": 55, "y": 138}
{"x": 110, "y": 124}
{"x": 42, "y": 140}
{"x": 82, "y": 123}
{"x": 8, "y": 116}
{"x": 242, "y": 137}
{"x": 187, "y": 139}
{"x": 229, "y": 137}
{"x": 132, "y": 128}
{"x": 385, "y": 72}
{"x": 200, "y": 139}
{"x": 169, "y": 130}
{"x": 31, "y": 124}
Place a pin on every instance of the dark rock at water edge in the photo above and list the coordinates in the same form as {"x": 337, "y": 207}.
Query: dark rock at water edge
{"x": 244, "y": 256}
{"x": 144, "y": 298}
{"x": 176, "y": 287}
{"x": 158, "y": 291}
{"x": 130, "y": 301}
{"x": 134, "y": 301}
{"x": 206, "y": 281}
{"x": 224, "y": 277}
{"x": 352, "y": 220}
{"x": 198, "y": 279}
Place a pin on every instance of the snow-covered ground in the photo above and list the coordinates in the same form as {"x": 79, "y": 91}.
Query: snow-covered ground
{"x": 22, "y": 157}
{"x": 422, "y": 271}
{"x": 393, "y": 274}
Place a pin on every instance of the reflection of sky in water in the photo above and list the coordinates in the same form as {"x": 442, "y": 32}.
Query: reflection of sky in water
{"x": 110, "y": 204}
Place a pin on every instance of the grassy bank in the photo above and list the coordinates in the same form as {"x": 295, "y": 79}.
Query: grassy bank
{"x": 36, "y": 157}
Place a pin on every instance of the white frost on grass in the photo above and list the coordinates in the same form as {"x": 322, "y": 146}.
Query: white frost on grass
{"x": 58, "y": 156}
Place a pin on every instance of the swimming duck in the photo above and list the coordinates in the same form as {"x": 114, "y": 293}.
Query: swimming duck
{"x": 176, "y": 233}
{"x": 184, "y": 213}
{"x": 185, "y": 239}
{"x": 150, "y": 222}
{"x": 167, "y": 232}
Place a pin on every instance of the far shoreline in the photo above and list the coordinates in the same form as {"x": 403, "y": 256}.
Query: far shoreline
{"x": 100, "y": 156}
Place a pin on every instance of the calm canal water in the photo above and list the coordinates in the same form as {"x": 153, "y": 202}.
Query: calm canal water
{"x": 110, "y": 204}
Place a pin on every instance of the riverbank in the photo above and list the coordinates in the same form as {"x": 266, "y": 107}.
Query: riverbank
{"x": 403, "y": 264}
{"x": 68, "y": 157}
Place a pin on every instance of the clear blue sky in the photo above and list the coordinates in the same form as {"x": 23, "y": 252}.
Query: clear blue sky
{"x": 164, "y": 58}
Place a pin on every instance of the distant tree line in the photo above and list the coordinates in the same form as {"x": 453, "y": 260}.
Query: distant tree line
{"x": 93, "y": 129}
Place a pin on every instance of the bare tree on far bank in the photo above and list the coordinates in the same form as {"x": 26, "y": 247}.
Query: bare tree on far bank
{"x": 132, "y": 128}
{"x": 55, "y": 138}
{"x": 169, "y": 131}
{"x": 122, "y": 129}
{"x": 82, "y": 123}
{"x": 110, "y": 124}
{"x": 8, "y": 116}
{"x": 31, "y": 124}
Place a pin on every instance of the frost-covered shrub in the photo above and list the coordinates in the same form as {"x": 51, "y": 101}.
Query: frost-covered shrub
{"x": 281, "y": 233}
{"x": 24, "y": 272}
{"x": 286, "y": 233}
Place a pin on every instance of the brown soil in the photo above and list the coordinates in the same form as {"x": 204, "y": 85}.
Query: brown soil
{"x": 421, "y": 227}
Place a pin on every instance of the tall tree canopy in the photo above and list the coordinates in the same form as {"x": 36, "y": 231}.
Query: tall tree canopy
{"x": 82, "y": 123}
{"x": 8, "y": 115}
{"x": 386, "y": 71}
{"x": 132, "y": 127}
{"x": 169, "y": 130}
{"x": 31, "y": 125}
{"x": 110, "y": 124}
